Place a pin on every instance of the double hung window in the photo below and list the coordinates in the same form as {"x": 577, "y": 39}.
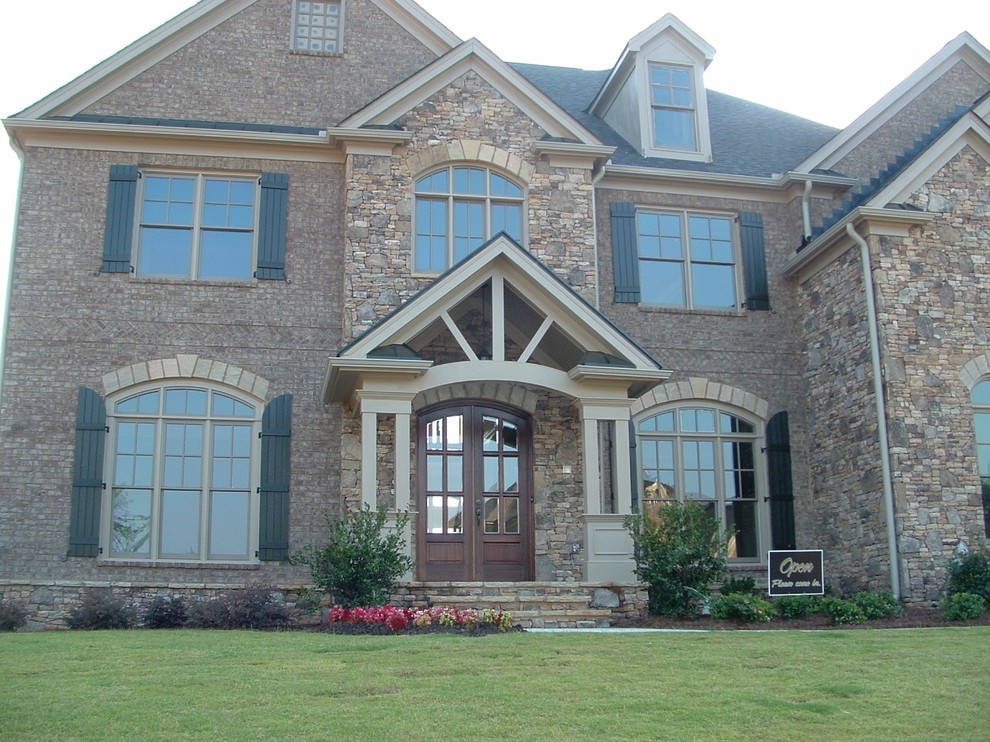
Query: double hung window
{"x": 672, "y": 107}
{"x": 181, "y": 472}
{"x": 197, "y": 226}
{"x": 458, "y": 209}
{"x": 686, "y": 259}
{"x": 707, "y": 456}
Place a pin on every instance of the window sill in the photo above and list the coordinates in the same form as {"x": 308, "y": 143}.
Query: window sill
{"x": 709, "y": 311}
{"x": 162, "y": 564}
{"x": 309, "y": 53}
{"x": 162, "y": 280}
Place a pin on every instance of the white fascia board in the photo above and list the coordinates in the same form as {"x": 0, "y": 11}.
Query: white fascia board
{"x": 470, "y": 56}
{"x": 428, "y": 30}
{"x": 170, "y": 140}
{"x": 627, "y": 60}
{"x": 835, "y": 241}
{"x": 131, "y": 61}
{"x": 964, "y": 47}
{"x": 970, "y": 130}
{"x": 775, "y": 189}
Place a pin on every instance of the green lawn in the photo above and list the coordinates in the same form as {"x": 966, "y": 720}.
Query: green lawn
{"x": 924, "y": 684}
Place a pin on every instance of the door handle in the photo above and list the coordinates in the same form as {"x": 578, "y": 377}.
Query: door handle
{"x": 477, "y": 512}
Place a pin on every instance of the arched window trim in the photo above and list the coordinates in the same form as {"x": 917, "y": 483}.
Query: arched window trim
{"x": 449, "y": 196}
{"x": 211, "y": 425}
{"x": 756, "y": 438}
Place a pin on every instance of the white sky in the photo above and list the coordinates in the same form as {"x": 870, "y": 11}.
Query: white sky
{"x": 827, "y": 60}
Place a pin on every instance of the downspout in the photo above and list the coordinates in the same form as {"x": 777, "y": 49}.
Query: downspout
{"x": 806, "y": 210}
{"x": 878, "y": 396}
{"x": 596, "y": 178}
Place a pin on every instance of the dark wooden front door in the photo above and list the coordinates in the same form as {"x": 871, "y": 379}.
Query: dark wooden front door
{"x": 475, "y": 497}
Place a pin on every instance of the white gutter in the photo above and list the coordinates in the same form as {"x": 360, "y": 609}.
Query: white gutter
{"x": 878, "y": 395}
{"x": 806, "y": 209}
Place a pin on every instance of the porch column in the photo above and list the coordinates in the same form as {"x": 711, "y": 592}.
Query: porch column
{"x": 623, "y": 470}
{"x": 592, "y": 467}
{"x": 373, "y": 404}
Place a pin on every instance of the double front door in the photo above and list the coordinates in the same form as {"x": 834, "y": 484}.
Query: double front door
{"x": 475, "y": 495}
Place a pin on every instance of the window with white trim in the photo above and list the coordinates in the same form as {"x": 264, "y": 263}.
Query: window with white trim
{"x": 182, "y": 474}
{"x": 706, "y": 455}
{"x": 458, "y": 209}
{"x": 687, "y": 259}
{"x": 673, "y": 109}
{"x": 197, "y": 226}
{"x": 981, "y": 414}
{"x": 317, "y": 27}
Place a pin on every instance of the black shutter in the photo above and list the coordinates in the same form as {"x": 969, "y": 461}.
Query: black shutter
{"x": 87, "y": 475}
{"x": 625, "y": 255}
{"x": 272, "y": 226}
{"x": 754, "y": 261}
{"x": 118, "y": 235}
{"x": 781, "y": 484}
{"x": 276, "y": 430}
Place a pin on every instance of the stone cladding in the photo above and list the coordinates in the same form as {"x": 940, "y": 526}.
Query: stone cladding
{"x": 932, "y": 290}
{"x": 466, "y": 122}
{"x": 288, "y": 88}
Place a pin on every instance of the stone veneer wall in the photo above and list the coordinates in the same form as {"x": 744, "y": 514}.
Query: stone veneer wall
{"x": 289, "y": 88}
{"x": 844, "y": 454}
{"x": 467, "y": 122}
{"x": 935, "y": 315}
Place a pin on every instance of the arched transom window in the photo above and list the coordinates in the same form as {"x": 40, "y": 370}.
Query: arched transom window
{"x": 708, "y": 456}
{"x": 458, "y": 208}
{"x": 182, "y": 474}
{"x": 981, "y": 410}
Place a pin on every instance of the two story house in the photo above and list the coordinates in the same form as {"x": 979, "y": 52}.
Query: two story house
{"x": 279, "y": 259}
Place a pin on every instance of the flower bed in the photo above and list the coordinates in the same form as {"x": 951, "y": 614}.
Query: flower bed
{"x": 390, "y": 619}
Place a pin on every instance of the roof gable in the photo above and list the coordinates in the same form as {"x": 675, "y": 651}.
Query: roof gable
{"x": 963, "y": 48}
{"x": 532, "y": 320}
{"x": 472, "y": 56}
{"x": 188, "y": 26}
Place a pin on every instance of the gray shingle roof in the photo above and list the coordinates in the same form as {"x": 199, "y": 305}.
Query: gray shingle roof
{"x": 747, "y": 138}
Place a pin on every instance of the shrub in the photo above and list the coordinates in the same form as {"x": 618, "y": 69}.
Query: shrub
{"x": 877, "y": 604}
{"x": 742, "y": 607}
{"x": 395, "y": 619}
{"x": 254, "y": 607}
{"x": 744, "y": 585}
{"x": 964, "y": 606}
{"x": 679, "y": 553}
{"x": 969, "y": 572}
{"x": 361, "y": 561}
{"x": 166, "y": 612}
{"x": 797, "y": 606}
{"x": 12, "y": 615}
{"x": 842, "y": 610}
{"x": 99, "y": 609}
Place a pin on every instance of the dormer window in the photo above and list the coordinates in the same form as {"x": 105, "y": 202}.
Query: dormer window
{"x": 673, "y": 109}
{"x": 655, "y": 95}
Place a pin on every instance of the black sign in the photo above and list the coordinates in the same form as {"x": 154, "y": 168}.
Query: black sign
{"x": 796, "y": 573}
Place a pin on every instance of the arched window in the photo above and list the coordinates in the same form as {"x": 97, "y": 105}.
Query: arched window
{"x": 705, "y": 455}
{"x": 458, "y": 208}
{"x": 981, "y": 414}
{"x": 182, "y": 474}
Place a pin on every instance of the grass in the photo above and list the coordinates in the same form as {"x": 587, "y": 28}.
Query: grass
{"x": 924, "y": 684}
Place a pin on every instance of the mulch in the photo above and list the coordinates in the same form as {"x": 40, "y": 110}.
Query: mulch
{"x": 912, "y": 617}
